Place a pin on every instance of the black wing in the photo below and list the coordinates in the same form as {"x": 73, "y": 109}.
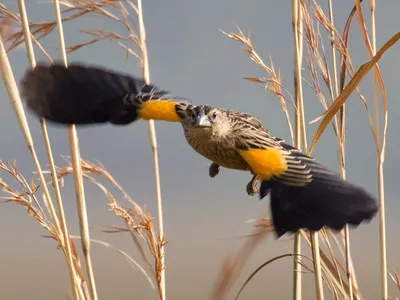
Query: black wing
{"x": 83, "y": 94}
{"x": 304, "y": 193}
{"x": 325, "y": 200}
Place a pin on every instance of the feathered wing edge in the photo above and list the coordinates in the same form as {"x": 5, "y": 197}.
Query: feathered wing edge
{"x": 82, "y": 94}
{"x": 327, "y": 200}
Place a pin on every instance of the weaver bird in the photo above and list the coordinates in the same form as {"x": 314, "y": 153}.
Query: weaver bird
{"x": 304, "y": 194}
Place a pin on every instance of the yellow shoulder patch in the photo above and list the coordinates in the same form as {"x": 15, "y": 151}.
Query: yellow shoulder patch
{"x": 265, "y": 162}
{"x": 162, "y": 110}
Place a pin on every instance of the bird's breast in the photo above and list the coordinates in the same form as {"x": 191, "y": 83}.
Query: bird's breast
{"x": 222, "y": 151}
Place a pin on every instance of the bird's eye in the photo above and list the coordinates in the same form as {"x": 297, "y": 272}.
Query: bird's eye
{"x": 214, "y": 116}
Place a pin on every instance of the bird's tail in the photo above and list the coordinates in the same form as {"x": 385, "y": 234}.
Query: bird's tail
{"x": 86, "y": 95}
{"x": 327, "y": 200}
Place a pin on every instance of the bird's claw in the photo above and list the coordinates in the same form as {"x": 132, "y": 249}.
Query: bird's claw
{"x": 251, "y": 187}
{"x": 213, "y": 170}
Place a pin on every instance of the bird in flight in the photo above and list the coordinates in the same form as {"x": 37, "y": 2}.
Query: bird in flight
{"x": 304, "y": 194}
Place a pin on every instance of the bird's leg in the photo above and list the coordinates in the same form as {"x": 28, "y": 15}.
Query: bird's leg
{"x": 213, "y": 170}
{"x": 251, "y": 187}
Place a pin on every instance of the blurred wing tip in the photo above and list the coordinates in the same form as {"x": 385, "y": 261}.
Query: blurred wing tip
{"x": 318, "y": 206}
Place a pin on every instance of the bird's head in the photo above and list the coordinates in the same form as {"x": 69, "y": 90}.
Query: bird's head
{"x": 206, "y": 120}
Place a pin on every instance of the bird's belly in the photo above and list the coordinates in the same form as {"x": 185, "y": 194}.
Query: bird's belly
{"x": 231, "y": 162}
{"x": 220, "y": 153}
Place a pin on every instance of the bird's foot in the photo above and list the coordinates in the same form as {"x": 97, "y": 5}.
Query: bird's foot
{"x": 251, "y": 187}
{"x": 213, "y": 170}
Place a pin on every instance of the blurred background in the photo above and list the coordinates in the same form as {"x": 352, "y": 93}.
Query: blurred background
{"x": 204, "y": 217}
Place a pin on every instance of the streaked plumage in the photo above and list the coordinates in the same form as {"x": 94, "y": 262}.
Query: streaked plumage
{"x": 304, "y": 194}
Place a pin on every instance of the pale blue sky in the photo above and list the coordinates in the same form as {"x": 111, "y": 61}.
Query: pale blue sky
{"x": 190, "y": 57}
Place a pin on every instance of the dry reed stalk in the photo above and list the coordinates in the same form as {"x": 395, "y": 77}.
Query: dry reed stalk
{"x": 340, "y": 127}
{"x": 301, "y": 143}
{"x": 12, "y": 90}
{"x": 319, "y": 290}
{"x": 139, "y": 222}
{"x": 159, "y": 264}
{"x": 78, "y": 180}
{"x": 64, "y": 231}
{"x": 380, "y": 161}
{"x": 300, "y": 134}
